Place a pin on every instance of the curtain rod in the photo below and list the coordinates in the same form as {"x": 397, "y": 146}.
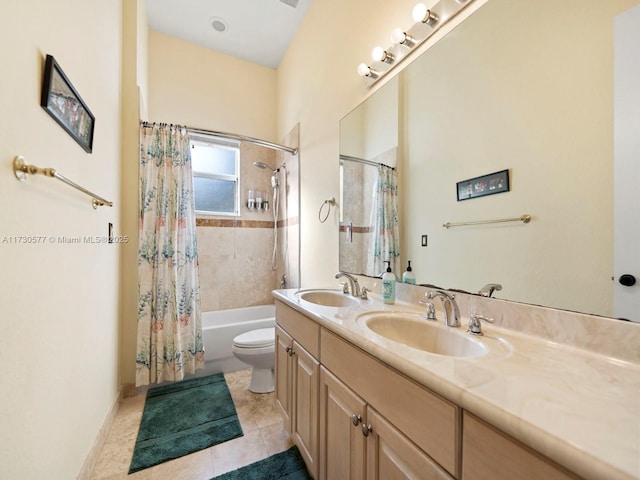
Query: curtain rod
{"x": 362, "y": 160}
{"x": 233, "y": 136}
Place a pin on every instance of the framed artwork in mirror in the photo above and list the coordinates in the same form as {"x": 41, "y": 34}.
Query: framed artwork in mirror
{"x": 497, "y": 182}
{"x": 64, "y": 104}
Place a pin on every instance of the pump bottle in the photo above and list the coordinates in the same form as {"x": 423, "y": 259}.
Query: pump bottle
{"x": 389, "y": 285}
{"x": 408, "y": 276}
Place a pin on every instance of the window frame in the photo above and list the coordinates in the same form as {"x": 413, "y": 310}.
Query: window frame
{"x": 218, "y": 142}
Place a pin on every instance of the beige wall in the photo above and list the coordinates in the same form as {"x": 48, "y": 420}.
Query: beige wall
{"x": 60, "y": 301}
{"x": 198, "y": 87}
{"x": 133, "y": 101}
{"x": 317, "y": 86}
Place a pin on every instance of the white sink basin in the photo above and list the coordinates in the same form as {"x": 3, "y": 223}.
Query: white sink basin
{"x": 328, "y": 298}
{"x": 414, "y": 331}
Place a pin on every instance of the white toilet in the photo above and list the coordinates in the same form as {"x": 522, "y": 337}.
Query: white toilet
{"x": 257, "y": 348}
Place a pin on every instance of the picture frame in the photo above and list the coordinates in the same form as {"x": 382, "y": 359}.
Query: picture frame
{"x": 61, "y": 100}
{"x": 490, "y": 184}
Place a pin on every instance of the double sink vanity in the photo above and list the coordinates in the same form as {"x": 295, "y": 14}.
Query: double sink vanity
{"x": 369, "y": 390}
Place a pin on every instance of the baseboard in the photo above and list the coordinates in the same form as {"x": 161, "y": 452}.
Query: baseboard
{"x": 101, "y": 438}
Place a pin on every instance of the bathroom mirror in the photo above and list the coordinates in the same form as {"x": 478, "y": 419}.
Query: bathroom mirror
{"x": 505, "y": 92}
{"x": 368, "y": 139}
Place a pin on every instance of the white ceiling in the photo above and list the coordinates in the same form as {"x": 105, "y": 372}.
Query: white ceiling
{"x": 258, "y": 31}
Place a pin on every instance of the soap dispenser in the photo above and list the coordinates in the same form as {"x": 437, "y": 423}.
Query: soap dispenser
{"x": 408, "y": 276}
{"x": 389, "y": 285}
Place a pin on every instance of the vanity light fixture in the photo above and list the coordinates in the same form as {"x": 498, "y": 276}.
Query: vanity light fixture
{"x": 379, "y": 54}
{"x": 422, "y": 14}
{"x": 404, "y": 41}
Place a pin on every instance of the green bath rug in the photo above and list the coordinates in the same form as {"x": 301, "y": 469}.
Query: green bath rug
{"x": 284, "y": 465}
{"x": 184, "y": 417}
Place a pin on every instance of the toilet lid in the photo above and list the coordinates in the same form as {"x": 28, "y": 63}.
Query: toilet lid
{"x": 262, "y": 337}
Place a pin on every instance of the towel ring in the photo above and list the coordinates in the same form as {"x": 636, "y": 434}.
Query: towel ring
{"x": 331, "y": 202}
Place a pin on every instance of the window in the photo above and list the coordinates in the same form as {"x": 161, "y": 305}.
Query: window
{"x": 215, "y": 175}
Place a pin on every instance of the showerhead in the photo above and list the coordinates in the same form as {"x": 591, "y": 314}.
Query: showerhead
{"x": 264, "y": 166}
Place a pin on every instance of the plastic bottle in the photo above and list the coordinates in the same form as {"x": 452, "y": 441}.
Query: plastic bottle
{"x": 408, "y": 276}
{"x": 389, "y": 285}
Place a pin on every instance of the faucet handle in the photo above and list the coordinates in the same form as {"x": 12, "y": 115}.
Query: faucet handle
{"x": 363, "y": 293}
{"x": 430, "y": 314}
{"x": 345, "y": 287}
{"x": 475, "y": 326}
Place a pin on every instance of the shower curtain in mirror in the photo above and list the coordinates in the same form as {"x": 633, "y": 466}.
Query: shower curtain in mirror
{"x": 169, "y": 321}
{"x": 384, "y": 241}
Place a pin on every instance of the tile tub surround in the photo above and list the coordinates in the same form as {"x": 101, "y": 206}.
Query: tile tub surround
{"x": 576, "y": 406}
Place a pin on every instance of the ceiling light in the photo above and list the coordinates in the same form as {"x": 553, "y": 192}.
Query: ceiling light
{"x": 218, "y": 24}
{"x": 422, "y": 14}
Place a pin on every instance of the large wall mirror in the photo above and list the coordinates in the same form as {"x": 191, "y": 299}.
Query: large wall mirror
{"x": 522, "y": 86}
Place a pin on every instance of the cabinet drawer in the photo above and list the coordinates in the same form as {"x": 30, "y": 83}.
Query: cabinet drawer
{"x": 488, "y": 454}
{"x": 428, "y": 420}
{"x": 304, "y": 330}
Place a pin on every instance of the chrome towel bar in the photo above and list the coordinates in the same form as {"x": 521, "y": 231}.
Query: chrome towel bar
{"x": 524, "y": 219}
{"x": 21, "y": 169}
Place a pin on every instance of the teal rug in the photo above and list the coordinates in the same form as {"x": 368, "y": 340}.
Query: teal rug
{"x": 284, "y": 465}
{"x": 184, "y": 417}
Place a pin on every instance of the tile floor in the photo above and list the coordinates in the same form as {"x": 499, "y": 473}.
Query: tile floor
{"x": 262, "y": 425}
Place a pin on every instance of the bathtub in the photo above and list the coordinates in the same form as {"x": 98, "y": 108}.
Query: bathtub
{"x": 219, "y": 329}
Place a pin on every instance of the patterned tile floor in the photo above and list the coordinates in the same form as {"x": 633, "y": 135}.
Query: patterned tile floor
{"x": 262, "y": 425}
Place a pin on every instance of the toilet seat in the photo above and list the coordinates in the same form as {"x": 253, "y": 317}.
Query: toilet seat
{"x": 260, "y": 338}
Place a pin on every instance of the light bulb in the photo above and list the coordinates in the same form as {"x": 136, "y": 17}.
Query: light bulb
{"x": 419, "y": 12}
{"x": 378, "y": 54}
{"x": 398, "y": 36}
{"x": 422, "y": 14}
{"x": 364, "y": 70}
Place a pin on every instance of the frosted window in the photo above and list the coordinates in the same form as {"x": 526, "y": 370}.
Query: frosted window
{"x": 215, "y": 175}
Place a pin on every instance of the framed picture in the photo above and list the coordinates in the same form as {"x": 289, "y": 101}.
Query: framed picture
{"x": 64, "y": 104}
{"x": 490, "y": 184}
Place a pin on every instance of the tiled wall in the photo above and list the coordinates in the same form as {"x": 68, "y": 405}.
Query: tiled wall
{"x": 235, "y": 253}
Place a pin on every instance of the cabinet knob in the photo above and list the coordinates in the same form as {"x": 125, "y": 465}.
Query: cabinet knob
{"x": 356, "y": 419}
{"x": 366, "y": 429}
{"x": 288, "y": 350}
{"x": 627, "y": 280}
{"x": 292, "y": 352}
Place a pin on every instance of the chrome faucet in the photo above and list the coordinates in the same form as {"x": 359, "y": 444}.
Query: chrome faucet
{"x": 353, "y": 283}
{"x": 451, "y": 311}
{"x": 489, "y": 288}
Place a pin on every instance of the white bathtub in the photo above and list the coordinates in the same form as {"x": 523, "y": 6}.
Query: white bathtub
{"x": 219, "y": 329}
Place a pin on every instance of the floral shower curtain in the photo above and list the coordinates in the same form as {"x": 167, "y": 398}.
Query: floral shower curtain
{"x": 169, "y": 320}
{"x": 384, "y": 241}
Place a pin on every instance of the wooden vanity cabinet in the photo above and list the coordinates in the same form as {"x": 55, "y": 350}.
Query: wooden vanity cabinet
{"x": 488, "y": 454}
{"x": 413, "y": 433}
{"x": 297, "y": 373}
{"x": 327, "y": 389}
{"x": 357, "y": 442}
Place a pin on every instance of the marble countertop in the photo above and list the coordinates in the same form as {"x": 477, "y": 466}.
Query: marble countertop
{"x": 578, "y": 408}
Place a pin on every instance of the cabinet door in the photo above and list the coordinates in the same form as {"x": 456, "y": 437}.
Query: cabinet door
{"x": 304, "y": 423}
{"x": 392, "y": 456}
{"x": 283, "y": 372}
{"x": 342, "y": 444}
